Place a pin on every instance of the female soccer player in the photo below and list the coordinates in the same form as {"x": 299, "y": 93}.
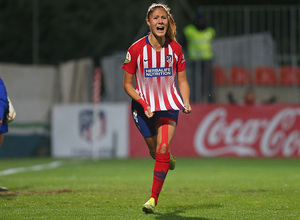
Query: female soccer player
{"x": 154, "y": 61}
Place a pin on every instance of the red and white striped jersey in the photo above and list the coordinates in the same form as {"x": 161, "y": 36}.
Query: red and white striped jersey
{"x": 155, "y": 73}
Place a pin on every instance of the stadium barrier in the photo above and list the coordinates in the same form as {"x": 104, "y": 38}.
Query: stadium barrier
{"x": 216, "y": 130}
{"x": 232, "y": 131}
{"x": 90, "y": 131}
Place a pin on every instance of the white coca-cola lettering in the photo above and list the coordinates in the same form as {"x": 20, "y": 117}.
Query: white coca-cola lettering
{"x": 292, "y": 144}
{"x": 277, "y": 138}
{"x": 215, "y": 127}
{"x": 217, "y": 136}
{"x": 232, "y": 130}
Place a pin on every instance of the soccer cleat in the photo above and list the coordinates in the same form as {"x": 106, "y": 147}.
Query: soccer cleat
{"x": 3, "y": 188}
{"x": 149, "y": 206}
{"x": 172, "y": 162}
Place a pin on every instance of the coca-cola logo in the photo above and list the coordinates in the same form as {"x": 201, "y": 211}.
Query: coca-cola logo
{"x": 270, "y": 136}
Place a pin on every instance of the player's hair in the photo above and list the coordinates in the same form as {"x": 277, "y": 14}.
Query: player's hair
{"x": 171, "y": 32}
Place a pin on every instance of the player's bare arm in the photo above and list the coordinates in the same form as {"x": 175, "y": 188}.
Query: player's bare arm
{"x": 127, "y": 84}
{"x": 185, "y": 91}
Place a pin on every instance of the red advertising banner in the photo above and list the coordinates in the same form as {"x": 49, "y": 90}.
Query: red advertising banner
{"x": 231, "y": 131}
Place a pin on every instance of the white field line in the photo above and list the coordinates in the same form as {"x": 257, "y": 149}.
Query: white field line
{"x": 51, "y": 165}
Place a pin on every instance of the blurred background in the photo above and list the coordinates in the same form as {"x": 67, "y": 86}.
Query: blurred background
{"x": 59, "y": 55}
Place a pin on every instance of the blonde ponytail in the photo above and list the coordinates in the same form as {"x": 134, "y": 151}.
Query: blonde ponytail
{"x": 171, "y": 32}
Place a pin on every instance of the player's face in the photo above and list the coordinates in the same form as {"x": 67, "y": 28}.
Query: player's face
{"x": 158, "y": 22}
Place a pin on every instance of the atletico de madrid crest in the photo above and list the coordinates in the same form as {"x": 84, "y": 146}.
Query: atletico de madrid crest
{"x": 169, "y": 59}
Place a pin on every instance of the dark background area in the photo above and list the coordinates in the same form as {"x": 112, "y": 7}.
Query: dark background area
{"x": 53, "y": 31}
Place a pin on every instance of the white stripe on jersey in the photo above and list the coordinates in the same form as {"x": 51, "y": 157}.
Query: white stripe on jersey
{"x": 154, "y": 82}
{"x": 171, "y": 52}
{"x": 145, "y": 65}
{"x": 162, "y": 82}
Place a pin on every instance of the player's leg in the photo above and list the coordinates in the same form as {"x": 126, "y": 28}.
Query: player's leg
{"x": 2, "y": 188}
{"x": 165, "y": 132}
{"x": 172, "y": 162}
{"x": 3, "y": 127}
{"x": 145, "y": 125}
{"x": 151, "y": 143}
{"x": 1, "y": 139}
{"x": 172, "y": 115}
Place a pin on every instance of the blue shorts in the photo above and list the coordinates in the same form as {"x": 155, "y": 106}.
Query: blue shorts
{"x": 147, "y": 125}
{"x": 3, "y": 108}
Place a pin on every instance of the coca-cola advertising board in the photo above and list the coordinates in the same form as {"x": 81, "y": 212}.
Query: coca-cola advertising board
{"x": 231, "y": 131}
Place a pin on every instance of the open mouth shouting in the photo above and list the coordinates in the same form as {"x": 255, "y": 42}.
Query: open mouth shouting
{"x": 160, "y": 29}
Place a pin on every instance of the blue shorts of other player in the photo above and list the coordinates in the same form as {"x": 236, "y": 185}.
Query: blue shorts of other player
{"x": 3, "y": 108}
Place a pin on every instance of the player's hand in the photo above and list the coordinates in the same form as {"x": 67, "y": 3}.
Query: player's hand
{"x": 148, "y": 113}
{"x": 188, "y": 109}
{"x": 146, "y": 108}
{"x": 11, "y": 112}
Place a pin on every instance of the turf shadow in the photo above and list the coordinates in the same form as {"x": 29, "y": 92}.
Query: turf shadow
{"x": 176, "y": 215}
{"x": 179, "y": 211}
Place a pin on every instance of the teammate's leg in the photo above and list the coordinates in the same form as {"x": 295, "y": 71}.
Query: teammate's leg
{"x": 1, "y": 139}
{"x": 3, "y": 129}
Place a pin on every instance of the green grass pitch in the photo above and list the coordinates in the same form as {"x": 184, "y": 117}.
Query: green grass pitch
{"x": 198, "y": 188}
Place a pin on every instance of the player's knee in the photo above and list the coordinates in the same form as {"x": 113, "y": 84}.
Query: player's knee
{"x": 163, "y": 148}
{"x": 163, "y": 154}
{"x": 163, "y": 143}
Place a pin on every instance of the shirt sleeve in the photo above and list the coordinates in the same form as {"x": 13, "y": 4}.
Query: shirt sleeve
{"x": 130, "y": 64}
{"x": 181, "y": 62}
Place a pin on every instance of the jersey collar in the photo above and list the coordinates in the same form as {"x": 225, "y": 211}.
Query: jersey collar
{"x": 148, "y": 42}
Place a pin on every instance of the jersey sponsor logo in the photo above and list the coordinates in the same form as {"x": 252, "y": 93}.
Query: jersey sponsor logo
{"x": 146, "y": 60}
{"x": 128, "y": 58}
{"x": 158, "y": 72}
{"x": 169, "y": 59}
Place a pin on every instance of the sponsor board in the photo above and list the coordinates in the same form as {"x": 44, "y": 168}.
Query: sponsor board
{"x": 232, "y": 131}
{"x": 98, "y": 131}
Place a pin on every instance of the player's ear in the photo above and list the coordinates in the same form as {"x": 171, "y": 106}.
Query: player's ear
{"x": 148, "y": 22}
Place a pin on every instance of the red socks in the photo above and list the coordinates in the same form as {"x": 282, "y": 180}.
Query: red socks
{"x": 162, "y": 161}
{"x": 161, "y": 169}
